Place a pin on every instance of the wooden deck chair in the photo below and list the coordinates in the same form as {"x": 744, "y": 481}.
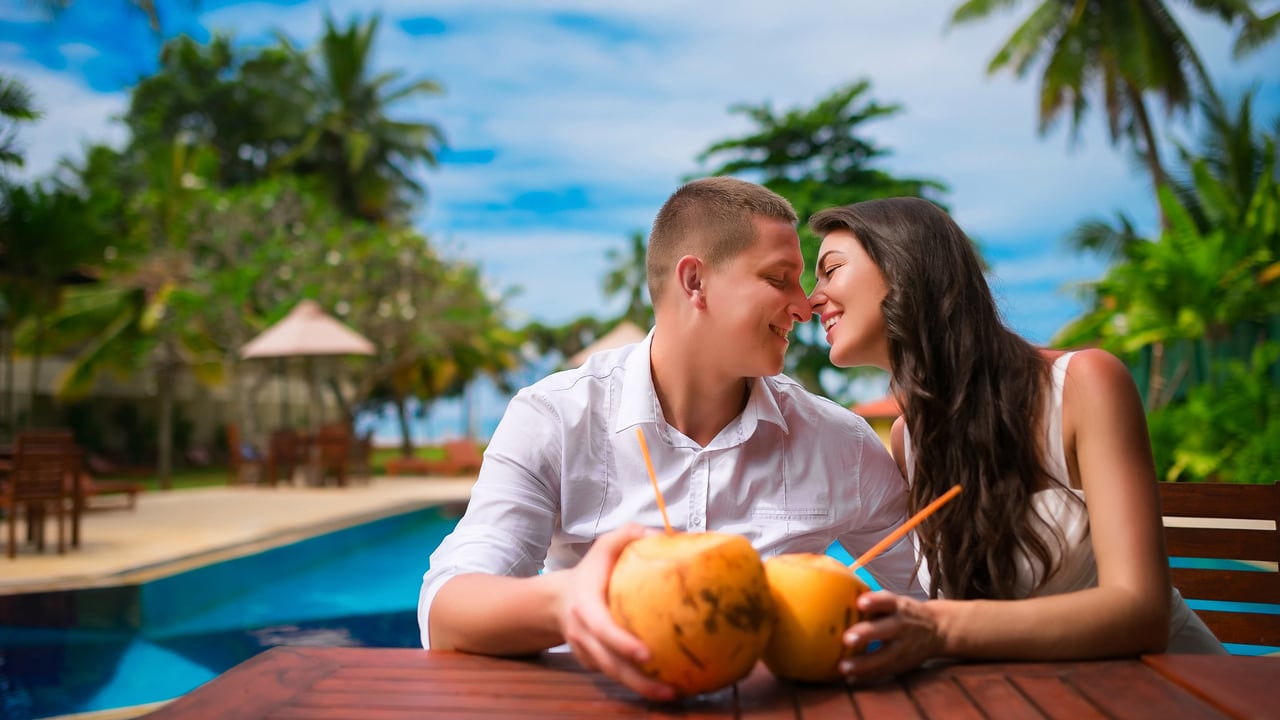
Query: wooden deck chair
{"x": 244, "y": 460}
{"x": 333, "y": 454}
{"x": 285, "y": 453}
{"x": 45, "y": 467}
{"x": 1243, "y": 527}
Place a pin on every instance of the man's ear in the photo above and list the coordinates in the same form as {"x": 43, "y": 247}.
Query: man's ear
{"x": 691, "y": 274}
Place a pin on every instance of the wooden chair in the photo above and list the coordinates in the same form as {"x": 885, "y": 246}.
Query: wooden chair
{"x": 284, "y": 453}
{"x": 360, "y": 465}
{"x": 461, "y": 457}
{"x": 1245, "y": 526}
{"x": 45, "y": 468}
{"x": 244, "y": 460}
{"x": 333, "y": 453}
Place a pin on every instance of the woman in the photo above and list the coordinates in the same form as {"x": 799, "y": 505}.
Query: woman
{"x": 1055, "y": 548}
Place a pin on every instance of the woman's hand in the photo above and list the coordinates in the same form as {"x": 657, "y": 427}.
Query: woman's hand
{"x": 587, "y": 626}
{"x": 906, "y": 629}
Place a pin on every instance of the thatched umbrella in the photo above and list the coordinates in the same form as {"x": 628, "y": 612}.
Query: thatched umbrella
{"x": 307, "y": 332}
{"x": 624, "y": 333}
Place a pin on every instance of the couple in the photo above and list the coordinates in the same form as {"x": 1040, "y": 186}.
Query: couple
{"x": 1009, "y": 564}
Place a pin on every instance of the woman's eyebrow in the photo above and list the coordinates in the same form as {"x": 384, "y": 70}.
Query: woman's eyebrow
{"x": 824, "y": 255}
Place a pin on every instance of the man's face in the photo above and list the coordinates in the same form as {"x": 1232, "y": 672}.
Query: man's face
{"x": 754, "y": 300}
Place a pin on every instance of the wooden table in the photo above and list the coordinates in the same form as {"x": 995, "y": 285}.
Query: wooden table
{"x": 387, "y": 684}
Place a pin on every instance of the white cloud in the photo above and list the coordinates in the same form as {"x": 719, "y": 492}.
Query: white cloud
{"x": 622, "y": 114}
{"x": 74, "y": 117}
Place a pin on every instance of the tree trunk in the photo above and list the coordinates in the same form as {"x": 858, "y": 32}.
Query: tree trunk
{"x": 7, "y": 414}
{"x": 1155, "y": 382}
{"x": 1151, "y": 153}
{"x": 33, "y": 420}
{"x": 165, "y": 395}
{"x": 402, "y": 414}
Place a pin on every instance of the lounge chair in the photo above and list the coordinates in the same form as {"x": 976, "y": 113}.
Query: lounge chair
{"x": 461, "y": 457}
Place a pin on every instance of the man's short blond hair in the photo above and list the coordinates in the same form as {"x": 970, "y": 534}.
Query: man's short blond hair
{"x": 710, "y": 218}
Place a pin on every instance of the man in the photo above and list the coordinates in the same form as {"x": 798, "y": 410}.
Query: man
{"x": 736, "y": 448}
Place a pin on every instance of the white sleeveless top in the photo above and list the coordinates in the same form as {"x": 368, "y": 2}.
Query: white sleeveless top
{"x": 1067, "y": 534}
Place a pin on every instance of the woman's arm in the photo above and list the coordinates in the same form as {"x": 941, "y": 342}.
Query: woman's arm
{"x": 1105, "y": 430}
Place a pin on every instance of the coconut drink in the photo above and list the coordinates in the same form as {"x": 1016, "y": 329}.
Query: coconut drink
{"x": 815, "y": 598}
{"x": 699, "y": 602}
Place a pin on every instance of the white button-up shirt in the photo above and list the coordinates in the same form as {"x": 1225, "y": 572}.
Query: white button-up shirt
{"x": 791, "y": 473}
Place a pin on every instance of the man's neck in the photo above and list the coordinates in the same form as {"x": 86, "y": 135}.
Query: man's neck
{"x": 694, "y": 401}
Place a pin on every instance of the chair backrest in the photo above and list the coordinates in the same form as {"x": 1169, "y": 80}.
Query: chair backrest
{"x": 335, "y": 445}
{"x": 45, "y": 463}
{"x": 464, "y": 455}
{"x": 1229, "y": 535}
{"x": 284, "y": 453}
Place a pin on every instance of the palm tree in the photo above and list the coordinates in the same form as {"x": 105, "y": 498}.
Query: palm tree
{"x": 365, "y": 156}
{"x": 628, "y": 276}
{"x": 16, "y": 105}
{"x": 1124, "y": 52}
{"x": 146, "y": 7}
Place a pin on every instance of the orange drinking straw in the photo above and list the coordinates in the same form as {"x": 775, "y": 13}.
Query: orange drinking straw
{"x": 662, "y": 506}
{"x": 905, "y": 528}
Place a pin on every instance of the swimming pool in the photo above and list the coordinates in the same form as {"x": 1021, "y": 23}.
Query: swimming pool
{"x": 357, "y": 586}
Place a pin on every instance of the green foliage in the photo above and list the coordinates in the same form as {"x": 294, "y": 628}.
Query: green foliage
{"x": 17, "y": 105}
{"x": 1228, "y": 431}
{"x": 628, "y": 276}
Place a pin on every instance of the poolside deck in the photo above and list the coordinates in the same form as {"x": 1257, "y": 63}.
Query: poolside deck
{"x": 176, "y": 530}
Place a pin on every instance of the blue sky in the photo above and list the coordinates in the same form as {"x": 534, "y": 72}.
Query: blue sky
{"x": 569, "y": 121}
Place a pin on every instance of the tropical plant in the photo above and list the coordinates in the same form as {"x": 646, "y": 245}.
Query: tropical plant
{"x": 1225, "y": 197}
{"x": 1229, "y": 431}
{"x": 366, "y": 158}
{"x": 47, "y": 243}
{"x": 1193, "y": 283}
{"x": 17, "y": 105}
{"x": 627, "y": 276}
{"x": 817, "y": 158}
{"x": 1124, "y": 52}
{"x": 249, "y": 109}
{"x": 133, "y": 323}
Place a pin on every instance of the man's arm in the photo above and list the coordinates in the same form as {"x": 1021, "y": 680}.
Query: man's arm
{"x": 501, "y": 541}
{"x": 883, "y": 494}
{"x": 483, "y": 592}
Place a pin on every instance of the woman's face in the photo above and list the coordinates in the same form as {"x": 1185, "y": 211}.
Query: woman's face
{"x": 847, "y": 302}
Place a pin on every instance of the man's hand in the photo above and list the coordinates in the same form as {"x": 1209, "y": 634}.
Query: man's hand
{"x": 596, "y": 640}
{"x": 906, "y": 629}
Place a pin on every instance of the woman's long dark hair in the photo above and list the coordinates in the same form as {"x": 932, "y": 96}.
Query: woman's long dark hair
{"x": 972, "y": 392}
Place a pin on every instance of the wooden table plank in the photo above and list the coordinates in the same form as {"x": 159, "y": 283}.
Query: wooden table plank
{"x": 761, "y": 695}
{"x": 263, "y": 682}
{"x": 938, "y": 695}
{"x": 1056, "y": 699}
{"x": 1255, "y": 685}
{"x": 383, "y": 684}
{"x": 1131, "y": 689}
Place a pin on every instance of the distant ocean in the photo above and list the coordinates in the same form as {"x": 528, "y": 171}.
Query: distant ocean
{"x": 476, "y": 414}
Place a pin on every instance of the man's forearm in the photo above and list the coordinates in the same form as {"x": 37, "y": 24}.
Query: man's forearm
{"x": 496, "y": 615}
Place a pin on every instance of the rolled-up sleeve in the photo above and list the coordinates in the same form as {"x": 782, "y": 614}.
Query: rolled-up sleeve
{"x": 513, "y": 508}
{"x": 882, "y": 508}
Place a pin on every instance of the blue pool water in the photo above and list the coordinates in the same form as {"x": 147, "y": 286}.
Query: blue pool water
{"x": 357, "y": 586}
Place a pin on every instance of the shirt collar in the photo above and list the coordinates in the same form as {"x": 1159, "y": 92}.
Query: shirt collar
{"x": 639, "y": 401}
